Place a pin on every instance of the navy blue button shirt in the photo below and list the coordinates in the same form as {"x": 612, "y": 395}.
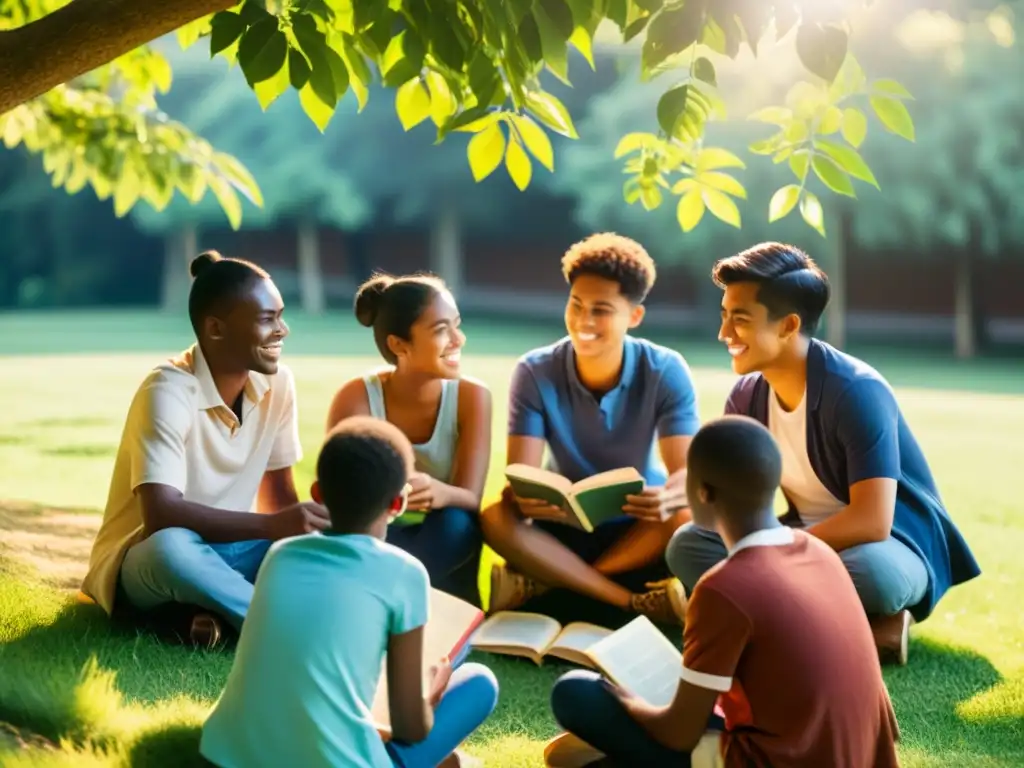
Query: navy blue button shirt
{"x": 856, "y": 431}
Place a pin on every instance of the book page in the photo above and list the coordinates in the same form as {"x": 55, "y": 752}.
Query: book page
{"x": 611, "y": 477}
{"x": 640, "y": 659}
{"x": 523, "y": 630}
{"x": 539, "y": 476}
{"x": 579, "y": 636}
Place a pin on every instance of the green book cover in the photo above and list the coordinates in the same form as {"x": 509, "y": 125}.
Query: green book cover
{"x": 605, "y": 502}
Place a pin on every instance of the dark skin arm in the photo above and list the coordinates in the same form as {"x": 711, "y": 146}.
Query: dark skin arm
{"x": 661, "y": 512}
{"x": 412, "y": 708}
{"x": 277, "y": 491}
{"x": 867, "y": 518}
{"x": 680, "y": 725}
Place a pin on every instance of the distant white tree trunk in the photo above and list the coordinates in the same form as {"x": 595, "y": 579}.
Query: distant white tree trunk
{"x": 835, "y": 314}
{"x": 965, "y": 328}
{"x": 446, "y": 257}
{"x": 180, "y": 248}
{"x": 312, "y": 295}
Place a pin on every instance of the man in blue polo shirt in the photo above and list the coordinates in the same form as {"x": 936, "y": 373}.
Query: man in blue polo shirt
{"x": 597, "y": 400}
{"x": 853, "y": 473}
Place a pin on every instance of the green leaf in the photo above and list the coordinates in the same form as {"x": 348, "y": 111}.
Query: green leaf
{"x": 671, "y": 106}
{"x": 704, "y": 70}
{"x": 722, "y": 206}
{"x": 442, "y": 102}
{"x": 584, "y": 43}
{"x": 724, "y": 183}
{"x": 631, "y": 191}
{"x": 799, "y": 162}
{"x": 444, "y": 43}
{"x": 268, "y": 90}
{"x": 225, "y": 28}
{"x": 832, "y": 175}
{"x": 360, "y": 76}
{"x": 189, "y": 34}
{"x": 552, "y": 42}
{"x": 672, "y": 31}
{"x": 894, "y": 116}
{"x": 711, "y": 158}
{"x": 471, "y": 120}
{"x": 821, "y": 48}
{"x": 631, "y": 142}
{"x": 262, "y": 51}
{"x": 855, "y": 126}
{"x": 890, "y": 88}
{"x": 298, "y": 69}
{"x": 783, "y": 202}
{"x": 535, "y": 139}
{"x": 550, "y": 111}
{"x": 690, "y": 210}
{"x": 319, "y": 112}
{"x": 228, "y": 200}
{"x": 402, "y": 59}
{"x": 339, "y": 72}
{"x": 831, "y": 121}
{"x": 650, "y": 197}
{"x": 520, "y": 170}
{"x": 848, "y": 160}
{"x": 128, "y": 189}
{"x": 412, "y": 102}
{"x": 810, "y": 209}
{"x": 485, "y": 151}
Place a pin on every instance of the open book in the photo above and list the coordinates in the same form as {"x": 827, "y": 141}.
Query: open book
{"x": 534, "y": 636}
{"x": 450, "y": 624}
{"x": 591, "y": 501}
{"x": 641, "y": 660}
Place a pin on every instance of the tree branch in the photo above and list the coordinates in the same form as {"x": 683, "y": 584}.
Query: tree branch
{"x": 84, "y": 35}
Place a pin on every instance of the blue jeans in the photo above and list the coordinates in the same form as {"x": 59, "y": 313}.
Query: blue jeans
{"x": 175, "y": 565}
{"x": 585, "y": 707}
{"x": 470, "y": 698}
{"x": 445, "y": 542}
{"x": 887, "y": 575}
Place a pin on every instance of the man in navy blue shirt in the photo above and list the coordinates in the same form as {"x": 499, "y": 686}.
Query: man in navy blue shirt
{"x": 853, "y": 473}
{"x": 597, "y": 400}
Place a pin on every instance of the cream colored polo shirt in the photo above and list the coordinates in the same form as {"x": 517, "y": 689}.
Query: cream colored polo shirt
{"x": 179, "y": 432}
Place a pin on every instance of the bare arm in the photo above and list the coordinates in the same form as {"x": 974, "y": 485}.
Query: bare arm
{"x": 411, "y": 715}
{"x": 867, "y": 518}
{"x": 524, "y": 450}
{"x": 350, "y": 400}
{"x": 680, "y": 725}
{"x": 165, "y": 507}
{"x": 277, "y": 490}
{"x": 473, "y": 453}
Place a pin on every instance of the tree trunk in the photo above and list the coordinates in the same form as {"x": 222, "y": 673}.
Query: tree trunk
{"x": 179, "y": 249}
{"x": 311, "y": 276}
{"x": 84, "y": 35}
{"x": 446, "y": 247}
{"x": 967, "y": 322}
{"x": 835, "y": 314}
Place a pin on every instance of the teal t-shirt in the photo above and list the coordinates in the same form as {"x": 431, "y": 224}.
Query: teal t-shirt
{"x": 310, "y": 654}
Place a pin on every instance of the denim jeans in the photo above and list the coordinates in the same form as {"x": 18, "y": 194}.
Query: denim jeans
{"x": 469, "y": 700}
{"x": 175, "y": 565}
{"x": 585, "y": 707}
{"x": 887, "y": 575}
{"x": 448, "y": 543}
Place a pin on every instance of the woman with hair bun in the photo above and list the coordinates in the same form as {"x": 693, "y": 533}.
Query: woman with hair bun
{"x": 447, "y": 418}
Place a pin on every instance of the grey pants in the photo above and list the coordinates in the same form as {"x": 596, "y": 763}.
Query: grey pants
{"x": 887, "y": 575}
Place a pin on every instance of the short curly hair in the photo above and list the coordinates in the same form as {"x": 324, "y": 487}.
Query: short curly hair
{"x": 613, "y": 257}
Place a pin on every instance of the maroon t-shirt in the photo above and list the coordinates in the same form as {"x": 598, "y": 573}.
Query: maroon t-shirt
{"x": 778, "y": 629}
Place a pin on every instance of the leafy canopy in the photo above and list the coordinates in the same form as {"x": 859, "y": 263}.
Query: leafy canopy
{"x": 477, "y": 66}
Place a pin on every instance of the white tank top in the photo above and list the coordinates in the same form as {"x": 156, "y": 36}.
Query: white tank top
{"x": 436, "y": 457}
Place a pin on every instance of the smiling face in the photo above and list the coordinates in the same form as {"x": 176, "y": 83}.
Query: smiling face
{"x": 754, "y": 340}
{"x": 250, "y": 335}
{"x": 598, "y": 316}
{"x": 435, "y": 342}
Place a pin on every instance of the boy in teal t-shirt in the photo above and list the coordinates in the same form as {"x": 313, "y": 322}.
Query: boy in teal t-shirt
{"x": 326, "y": 609}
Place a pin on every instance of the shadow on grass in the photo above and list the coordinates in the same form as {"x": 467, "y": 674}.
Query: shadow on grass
{"x": 929, "y": 695}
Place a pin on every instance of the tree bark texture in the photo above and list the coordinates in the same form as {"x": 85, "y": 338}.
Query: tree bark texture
{"x": 84, "y": 35}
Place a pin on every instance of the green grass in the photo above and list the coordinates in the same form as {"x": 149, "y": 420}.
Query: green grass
{"x": 106, "y": 697}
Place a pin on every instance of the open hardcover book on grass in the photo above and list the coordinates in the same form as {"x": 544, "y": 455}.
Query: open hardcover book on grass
{"x": 591, "y": 501}
{"x": 535, "y": 637}
{"x": 450, "y": 624}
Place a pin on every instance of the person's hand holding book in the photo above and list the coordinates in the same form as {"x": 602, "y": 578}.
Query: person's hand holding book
{"x": 440, "y": 676}
{"x": 657, "y": 504}
{"x": 538, "y": 509}
{"x": 425, "y": 493}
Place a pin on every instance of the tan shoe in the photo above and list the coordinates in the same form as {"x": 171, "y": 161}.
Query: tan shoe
{"x": 892, "y": 637}
{"x": 510, "y": 589}
{"x": 665, "y": 602}
{"x": 569, "y": 751}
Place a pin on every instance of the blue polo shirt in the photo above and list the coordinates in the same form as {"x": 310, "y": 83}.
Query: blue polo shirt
{"x": 654, "y": 398}
{"x": 856, "y": 431}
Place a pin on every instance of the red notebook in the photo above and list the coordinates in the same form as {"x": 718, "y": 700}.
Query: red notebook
{"x": 450, "y": 625}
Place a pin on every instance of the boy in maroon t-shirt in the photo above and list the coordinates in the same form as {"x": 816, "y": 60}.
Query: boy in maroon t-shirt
{"x": 775, "y": 634}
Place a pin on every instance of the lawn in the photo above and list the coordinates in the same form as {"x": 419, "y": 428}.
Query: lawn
{"x": 109, "y": 698}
